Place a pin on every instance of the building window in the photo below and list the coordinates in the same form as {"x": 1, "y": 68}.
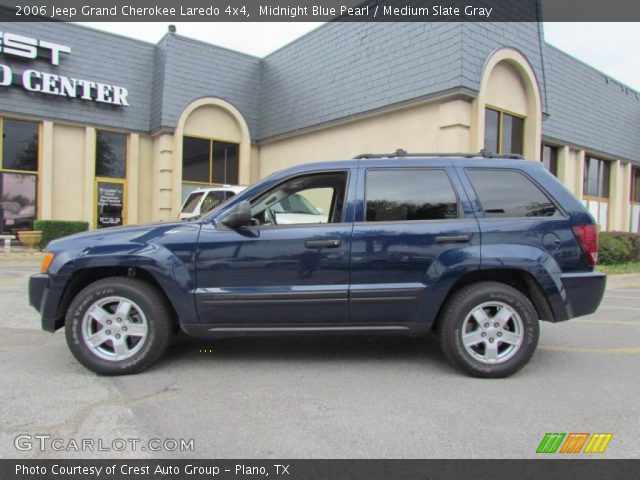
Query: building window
{"x": 425, "y": 195}
{"x": 208, "y": 162}
{"x": 18, "y": 175}
{"x": 596, "y": 178}
{"x": 111, "y": 154}
{"x": 635, "y": 184}
{"x": 504, "y": 132}
{"x": 550, "y": 158}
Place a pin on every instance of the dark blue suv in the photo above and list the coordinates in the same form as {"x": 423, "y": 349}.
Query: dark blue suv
{"x": 477, "y": 249}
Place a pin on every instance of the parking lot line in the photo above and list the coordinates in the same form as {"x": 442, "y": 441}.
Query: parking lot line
{"x": 617, "y": 307}
{"x": 615, "y": 350}
{"x": 612, "y": 322}
{"x": 620, "y": 296}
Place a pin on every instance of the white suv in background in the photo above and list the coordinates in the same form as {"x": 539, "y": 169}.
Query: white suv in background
{"x": 203, "y": 200}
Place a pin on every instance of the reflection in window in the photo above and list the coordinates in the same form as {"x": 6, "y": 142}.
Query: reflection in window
{"x": 503, "y": 132}
{"x": 195, "y": 160}
{"x": 208, "y": 162}
{"x": 550, "y": 158}
{"x": 19, "y": 145}
{"x": 400, "y": 195}
{"x": 18, "y": 202}
{"x": 506, "y": 193}
{"x": 596, "y": 177}
{"x": 111, "y": 151}
{"x": 225, "y": 163}
{"x": 635, "y": 184}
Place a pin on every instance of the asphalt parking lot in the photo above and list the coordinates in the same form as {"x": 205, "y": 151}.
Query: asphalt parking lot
{"x": 336, "y": 397}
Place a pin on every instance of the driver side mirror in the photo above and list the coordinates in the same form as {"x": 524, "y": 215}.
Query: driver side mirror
{"x": 238, "y": 216}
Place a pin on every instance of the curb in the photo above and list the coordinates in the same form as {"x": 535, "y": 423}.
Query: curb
{"x": 622, "y": 280}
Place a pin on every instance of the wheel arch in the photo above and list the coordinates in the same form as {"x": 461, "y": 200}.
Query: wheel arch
{"x": 86, "y": 276}
{"x": 521, "y": 280}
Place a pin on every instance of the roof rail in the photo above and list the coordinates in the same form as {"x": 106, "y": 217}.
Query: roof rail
{"x": 399, "y": 153}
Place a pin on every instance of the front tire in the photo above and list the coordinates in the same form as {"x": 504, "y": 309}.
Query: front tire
{"x": 489, "y": 329}
{"x": 118, "y": 326}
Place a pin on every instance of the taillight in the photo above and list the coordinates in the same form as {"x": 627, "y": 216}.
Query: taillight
{"x": 587, "y": 236}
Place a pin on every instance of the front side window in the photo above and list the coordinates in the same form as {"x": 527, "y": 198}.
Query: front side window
{"x": 18, "y": 175}
{"x": 316, "y": 198}
{"x": 596, "y": 178}
{"x": 504, "y": 132}
{"x": 509, "y": 194}
{"x": 635, "y": 184}
{"x": 111, "y": 154}
{"x": 410, "y": 194}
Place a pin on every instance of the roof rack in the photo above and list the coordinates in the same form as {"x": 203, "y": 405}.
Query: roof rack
{"x": 399, "y": 153}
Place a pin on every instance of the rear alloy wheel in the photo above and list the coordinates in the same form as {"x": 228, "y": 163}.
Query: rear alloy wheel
{"x": 489, "y": 329}
{"x": 118, "y": 325}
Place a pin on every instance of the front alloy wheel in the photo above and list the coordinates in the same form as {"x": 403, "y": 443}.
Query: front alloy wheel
{"x": 118, "y": 325}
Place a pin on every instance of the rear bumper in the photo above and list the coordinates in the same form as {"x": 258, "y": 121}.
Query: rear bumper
{"x": 45, "y": 296}
{"x": 583, "y": 292}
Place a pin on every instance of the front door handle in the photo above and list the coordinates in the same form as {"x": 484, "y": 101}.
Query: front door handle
{"x": 335, "y": 243}
{"x": 453, "y": 239}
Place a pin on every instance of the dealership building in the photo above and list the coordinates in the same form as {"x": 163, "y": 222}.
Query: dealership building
{"x": 110, "y": 130}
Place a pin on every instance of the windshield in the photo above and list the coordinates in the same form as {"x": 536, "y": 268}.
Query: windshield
{"x": 192, "y": 202}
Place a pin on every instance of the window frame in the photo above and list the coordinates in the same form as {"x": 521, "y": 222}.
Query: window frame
{"x": 459, "y": 213}
{"x": 126, "y": 153}
{"x": 555, "y": 148}
{"x": 211, "y": 140}
{"x": 35, "y": 173}
{"x": 562, "y": 214}
{"x": 632, "y": 192}
{"x": 501, "y": 113}
{"x": 585, "y": 196}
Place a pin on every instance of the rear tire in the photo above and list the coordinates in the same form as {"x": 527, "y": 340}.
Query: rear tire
{"x": 118, "y": 326}
{"x": 488, "y": 329}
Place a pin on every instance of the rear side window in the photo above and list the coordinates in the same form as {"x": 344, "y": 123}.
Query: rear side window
{"x": 508, "y": 194}
{"x": 410, "y": 194}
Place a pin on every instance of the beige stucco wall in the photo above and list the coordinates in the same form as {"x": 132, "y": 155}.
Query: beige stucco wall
{"x": 68, "y": 186}
{"x": 429, "y": 127}
{"x": 506, "y": 90}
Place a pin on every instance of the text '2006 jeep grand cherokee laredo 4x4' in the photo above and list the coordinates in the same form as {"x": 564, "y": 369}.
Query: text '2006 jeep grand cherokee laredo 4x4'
{"x": 478, "y": 249}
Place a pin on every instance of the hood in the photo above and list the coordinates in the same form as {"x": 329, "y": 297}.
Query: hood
{"x": 134, "y": 234}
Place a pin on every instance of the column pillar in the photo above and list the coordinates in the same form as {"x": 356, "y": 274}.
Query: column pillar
{"x": 89, "y": 175}
{"x": 46, "y": 173}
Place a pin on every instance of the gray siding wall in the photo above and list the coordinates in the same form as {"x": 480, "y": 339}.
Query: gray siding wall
{"x": 481, "y": 39}
{"x": 194, "y": 69}
{"x": 95, "y": 56}
{"x": 343, "y": 69}
{"x": 588, "y": 108}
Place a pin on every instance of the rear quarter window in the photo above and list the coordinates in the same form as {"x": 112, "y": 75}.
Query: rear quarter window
{"x": 509, "y": 194}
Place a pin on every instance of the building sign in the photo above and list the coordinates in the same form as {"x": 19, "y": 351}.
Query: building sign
{"x": 110, "y": 204}
{"x": 12, "y": 44}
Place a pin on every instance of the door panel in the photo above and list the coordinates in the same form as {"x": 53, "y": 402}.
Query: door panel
{"x": 262, "y": 276}
{"x": 411, "y": 243}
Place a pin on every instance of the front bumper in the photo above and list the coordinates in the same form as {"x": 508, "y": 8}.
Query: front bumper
{"x": 583, "y": 292}
{"x": 44, "y": 296}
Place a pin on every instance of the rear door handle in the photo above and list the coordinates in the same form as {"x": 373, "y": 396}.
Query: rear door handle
{"x": 335, "y": 243}
{"x": 453, "y": 239}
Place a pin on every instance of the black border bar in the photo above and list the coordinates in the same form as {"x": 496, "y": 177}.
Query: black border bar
{"x": 321, "y": 10}
{"x": 548, "y": 469}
